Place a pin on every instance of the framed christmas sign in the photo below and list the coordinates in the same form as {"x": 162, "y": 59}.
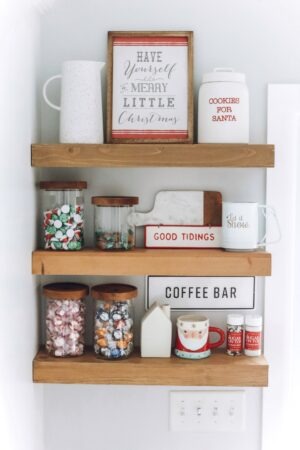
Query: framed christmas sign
{"x": 150, "y": 86}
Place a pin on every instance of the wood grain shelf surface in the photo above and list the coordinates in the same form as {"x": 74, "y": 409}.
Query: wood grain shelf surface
{"x": 217, "y": 370}
{"x": 177, "y": 262}
{"x": 152, "y": 155}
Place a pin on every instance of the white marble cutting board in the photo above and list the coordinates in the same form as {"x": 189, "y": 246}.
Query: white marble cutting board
{"x": 173, "y": 208}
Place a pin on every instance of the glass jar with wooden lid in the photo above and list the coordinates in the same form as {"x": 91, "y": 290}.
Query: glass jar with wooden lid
{"x": 65, "y": 318}
{"x": 63, "y": 222}
{"x": 113, "y": 229}
{"x": 113, "y": 332}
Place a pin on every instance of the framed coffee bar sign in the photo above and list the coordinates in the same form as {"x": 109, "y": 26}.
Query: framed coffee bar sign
{"x": 197, "y": 293}
{"x": 150, "y": 87}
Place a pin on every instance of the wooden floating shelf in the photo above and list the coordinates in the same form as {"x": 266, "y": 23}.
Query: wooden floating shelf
{"x": 152, "y": 155}
{"x": 151, "y": 262}
{"x": 217, "y": 370}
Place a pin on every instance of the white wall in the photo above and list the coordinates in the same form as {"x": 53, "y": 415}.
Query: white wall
{"x": 254, "y": 36}
{"x": 21, "y": 402}
{"x": 282, "y": 299}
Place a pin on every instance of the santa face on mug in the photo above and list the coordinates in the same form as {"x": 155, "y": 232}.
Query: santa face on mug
{"x": 192, "y": 336}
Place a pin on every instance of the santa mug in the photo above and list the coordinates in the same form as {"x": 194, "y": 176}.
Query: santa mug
{"x": 192, "y": 339}
{"x": 240, "y": 226}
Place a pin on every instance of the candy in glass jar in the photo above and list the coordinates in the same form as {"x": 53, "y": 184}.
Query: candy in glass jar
{"x": 235, "y": 334}
{"x": 65, "y": 318}
{"x": 113, "y": 230}
{"x": 63, "y": 206}
{"x": 113, "y": 332}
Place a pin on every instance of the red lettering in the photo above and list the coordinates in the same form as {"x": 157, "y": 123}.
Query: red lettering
{"x": 223, "y": 100}
{"x": 165, "y": 236}
{"x": 252, "y": 340}
{"x": 235, "y": 341}
{"x": 224, "y": 109}
{"x": 224, "y": 118}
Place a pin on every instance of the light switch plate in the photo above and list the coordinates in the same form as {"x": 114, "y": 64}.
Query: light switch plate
{"x": 207, "y": 411}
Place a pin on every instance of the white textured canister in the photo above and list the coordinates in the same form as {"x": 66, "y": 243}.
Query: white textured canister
{"x": 223, "y": 112}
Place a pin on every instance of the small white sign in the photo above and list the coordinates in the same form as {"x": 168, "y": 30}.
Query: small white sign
{"x": 182, "y": 236}
{"x": 197, "y": 293}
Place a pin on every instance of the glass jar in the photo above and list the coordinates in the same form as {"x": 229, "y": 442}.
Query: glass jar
{"x": 63, "y": 206}
{"x": 113, "y": 229}
{"x": 113, "y": 337}
{"x": 235, "y": 334}
{"x": 65, "y": 318}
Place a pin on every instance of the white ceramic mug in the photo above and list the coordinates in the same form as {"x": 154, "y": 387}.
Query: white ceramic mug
{"x": 240, "y": 226}
{"x": 192, "y": 338}
{"x": 81, "y": 116}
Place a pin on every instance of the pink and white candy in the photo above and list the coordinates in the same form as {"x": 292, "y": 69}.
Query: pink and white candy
{"x": 65, "y": 320}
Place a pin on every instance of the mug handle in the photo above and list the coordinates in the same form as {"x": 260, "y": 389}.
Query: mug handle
{"x": 272, "y": 212}
{"x": 222, "y": 337}
{"x": 52, "y": 105}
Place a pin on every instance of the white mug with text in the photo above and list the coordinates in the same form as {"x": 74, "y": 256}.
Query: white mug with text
{"x": 240, "y": 231}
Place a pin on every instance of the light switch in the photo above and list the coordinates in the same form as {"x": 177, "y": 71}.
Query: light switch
{"x": 207, "y": 411}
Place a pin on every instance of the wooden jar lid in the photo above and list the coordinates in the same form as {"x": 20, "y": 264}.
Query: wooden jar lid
{"x": 73, "y": 291}
{"x": 63, "y": 185}
{"x": 114, "y": 292}
{"x": 115, "y": 201}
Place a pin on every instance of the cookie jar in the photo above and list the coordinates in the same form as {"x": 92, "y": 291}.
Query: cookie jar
{"x": 223, "y": 108}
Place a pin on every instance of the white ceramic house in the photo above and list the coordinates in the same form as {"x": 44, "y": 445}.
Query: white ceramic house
{"x": 156, "y": 332}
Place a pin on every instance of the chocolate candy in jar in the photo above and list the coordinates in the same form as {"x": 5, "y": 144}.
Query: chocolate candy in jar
{"x": 65, "y": 318}
{"x": 113, "y": 229}
{"x": 63, "y": 221}
{"x": 113, "y": 330}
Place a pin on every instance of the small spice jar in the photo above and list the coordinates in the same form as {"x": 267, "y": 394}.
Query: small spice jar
{"x": 113, "y": 337}
{"x": 113, "y": 230}
{"x": 65, "y": 318}
{"x": 235, "y": 334}
{"x": 253, "y": 335}
{"x": 63, "y": 204}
